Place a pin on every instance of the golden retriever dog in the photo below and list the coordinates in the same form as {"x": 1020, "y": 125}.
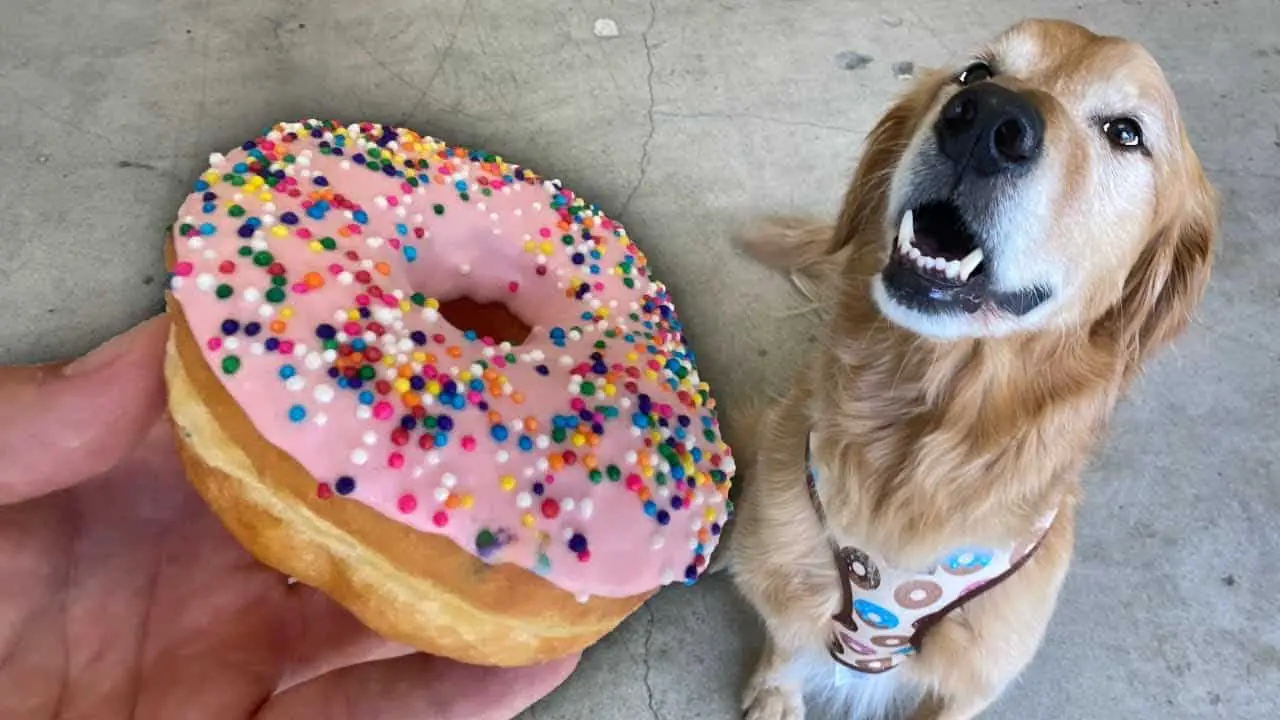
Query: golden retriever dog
{"x": 1019, "y": 237}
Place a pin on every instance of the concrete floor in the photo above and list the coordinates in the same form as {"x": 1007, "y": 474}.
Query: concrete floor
{"x": 696, "y": 114}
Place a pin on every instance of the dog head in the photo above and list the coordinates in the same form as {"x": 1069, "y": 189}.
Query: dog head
{"x": 1048, "y": 184}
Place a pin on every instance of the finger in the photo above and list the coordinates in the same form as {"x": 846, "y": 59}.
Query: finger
{"x": 324, "y": 636}
{"x": 420, "y": 687}
{"x": 67, "y": 422}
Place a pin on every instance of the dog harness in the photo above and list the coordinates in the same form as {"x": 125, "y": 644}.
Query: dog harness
{"x": 886, "y": 611}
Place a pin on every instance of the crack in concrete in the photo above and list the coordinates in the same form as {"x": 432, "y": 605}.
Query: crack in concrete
{"x": 933, "y": 33}
{"x": 648, "y": 666}
{"x": 444, "y": 59}
{"x": 382, "y": 64}
{"x": 644, "y": 146}
{"x": 48, "y": 115}
{"x": 136, "y": 165}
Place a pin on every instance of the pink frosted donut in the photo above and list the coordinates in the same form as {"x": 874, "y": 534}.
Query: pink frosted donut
{"x": 309, "y": 267}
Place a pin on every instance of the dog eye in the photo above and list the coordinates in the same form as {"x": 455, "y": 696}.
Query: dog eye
{"x": 975, "y": 73}
{"x": 1124, "y": 133}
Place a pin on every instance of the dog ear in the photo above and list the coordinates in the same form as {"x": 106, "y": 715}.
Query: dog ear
{"x": 864, "y": 201}
{"x": 1165, "y": 285}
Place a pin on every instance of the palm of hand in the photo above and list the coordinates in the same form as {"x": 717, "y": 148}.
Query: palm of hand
{"x": 123, "y": 596}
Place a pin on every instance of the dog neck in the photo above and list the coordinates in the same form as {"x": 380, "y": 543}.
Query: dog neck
{"x": 937, "y": 443}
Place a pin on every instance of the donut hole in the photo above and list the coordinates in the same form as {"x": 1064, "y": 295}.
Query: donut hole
{"x": 487, "y": 319}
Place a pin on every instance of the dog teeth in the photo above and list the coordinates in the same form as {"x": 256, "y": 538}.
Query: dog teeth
{"x": 907, "y": 231}
{"x": 951, "y": 269}
{"x": 965, "y": 267}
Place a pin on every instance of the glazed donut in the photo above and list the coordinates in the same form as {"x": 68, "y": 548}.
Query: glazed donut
{"x": 439, "y": 388}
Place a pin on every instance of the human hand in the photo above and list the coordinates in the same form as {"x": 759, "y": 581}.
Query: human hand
{"x": 121, "y": 594}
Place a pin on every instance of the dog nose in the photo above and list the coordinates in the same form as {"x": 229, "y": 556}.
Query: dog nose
{"x": 989, "y": 129}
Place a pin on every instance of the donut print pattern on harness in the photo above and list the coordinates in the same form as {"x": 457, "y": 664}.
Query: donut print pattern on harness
{"x": 967, "y": 561}
{"x": 310, "y": 264}
{"x": 874, "y": 615}
{"x": 868, "y": 635}
{"x": 861, "y": 570}
{"x": 917, "y": 594}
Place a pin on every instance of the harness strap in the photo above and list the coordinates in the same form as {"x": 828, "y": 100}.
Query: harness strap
{"x": 924, "y": 624}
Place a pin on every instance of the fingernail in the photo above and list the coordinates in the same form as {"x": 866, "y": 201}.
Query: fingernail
{"x": 106, "y": 353}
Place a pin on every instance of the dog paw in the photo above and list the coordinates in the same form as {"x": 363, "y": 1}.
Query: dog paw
{"x": 772, "y": 703}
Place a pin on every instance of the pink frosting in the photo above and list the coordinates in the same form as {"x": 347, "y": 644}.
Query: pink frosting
{"x": 309, "y": 265}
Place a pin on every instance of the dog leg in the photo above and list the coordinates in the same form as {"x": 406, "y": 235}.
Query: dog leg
{"x": 774, "y": 692}
{"x": 782, "y": 563}
{"x": 969, "y": 658}
{"x": 935, "y": 708}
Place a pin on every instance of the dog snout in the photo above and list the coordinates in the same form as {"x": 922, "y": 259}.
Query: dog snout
{"x": 988, "y": 129}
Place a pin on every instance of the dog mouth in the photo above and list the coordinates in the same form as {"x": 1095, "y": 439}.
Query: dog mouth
{"x": 938, "y": 265}
{"x": 938, "y": 242}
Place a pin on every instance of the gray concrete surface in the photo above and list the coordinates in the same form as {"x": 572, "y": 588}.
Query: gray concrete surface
{"x": 697, "y": 114}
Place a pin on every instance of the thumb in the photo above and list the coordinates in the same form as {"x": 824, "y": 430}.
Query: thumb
{"x": 64, "y": 423}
